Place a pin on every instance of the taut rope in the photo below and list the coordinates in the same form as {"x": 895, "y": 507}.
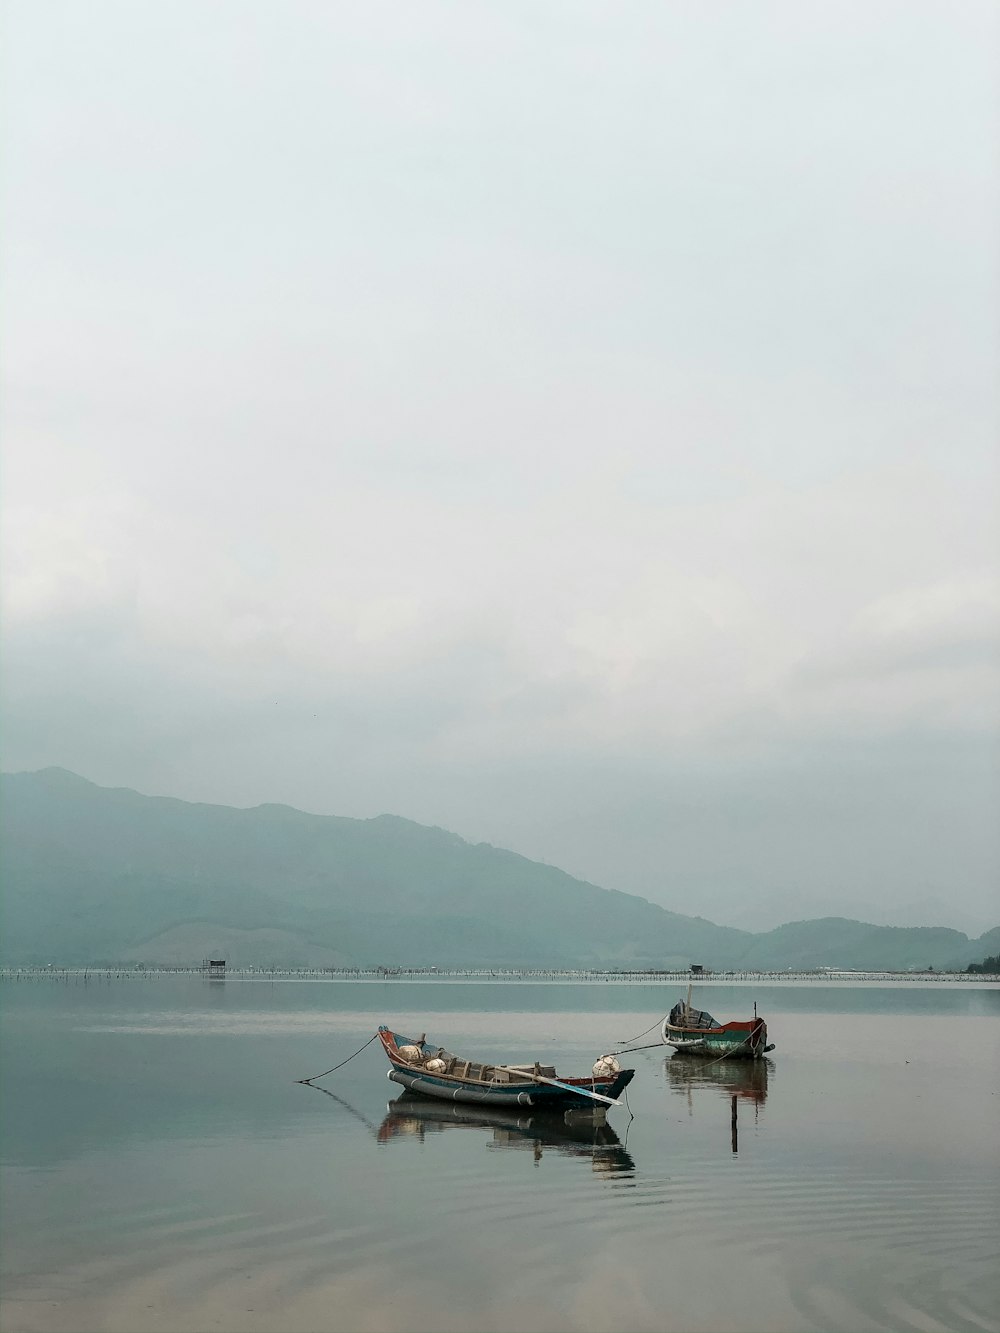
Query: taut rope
{"x": 340, "y": 1066}
{"x": 642, "y": 1034}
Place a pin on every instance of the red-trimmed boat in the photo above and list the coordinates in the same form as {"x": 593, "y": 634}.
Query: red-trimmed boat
{"x": 420, "y": 1066}
{"x": 696, "y": 1032}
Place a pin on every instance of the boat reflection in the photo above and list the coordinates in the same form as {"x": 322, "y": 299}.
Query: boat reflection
{"x": 744, "y": 1079}
{"x": 568, "y": 1133}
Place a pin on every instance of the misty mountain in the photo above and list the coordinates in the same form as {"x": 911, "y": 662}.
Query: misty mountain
{"x": 94, "y": 874}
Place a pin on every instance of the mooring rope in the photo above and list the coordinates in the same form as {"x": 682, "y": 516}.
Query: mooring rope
{"x": 728, "y": 1054}
{"x": 627, "y": 1050}
{"x": 340, "y": 1066}
{"x": 626, "y": 1040}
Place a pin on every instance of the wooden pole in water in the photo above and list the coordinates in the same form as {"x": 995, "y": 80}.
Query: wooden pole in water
{"x": 735, "y": 1130}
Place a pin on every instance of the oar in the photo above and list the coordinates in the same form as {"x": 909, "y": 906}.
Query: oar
{"x": 567, "y": 1087}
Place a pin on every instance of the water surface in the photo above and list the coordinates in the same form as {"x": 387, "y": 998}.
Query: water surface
{"x": 162, "y": 1170}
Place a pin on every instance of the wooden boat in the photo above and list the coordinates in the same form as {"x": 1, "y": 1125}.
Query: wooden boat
{"x": 420, "y": 1066}
{"x": 696, "y": 1032}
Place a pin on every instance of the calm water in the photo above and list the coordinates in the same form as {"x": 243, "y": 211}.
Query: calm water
{"x": 162, "y": 1170}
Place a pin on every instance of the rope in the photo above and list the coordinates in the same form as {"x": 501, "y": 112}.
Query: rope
{"x": 629, "y": 1049}
{"x": 340, "y": 1066}
{"x": 626, "y": 1040}
{"x": 729, "y": 1053}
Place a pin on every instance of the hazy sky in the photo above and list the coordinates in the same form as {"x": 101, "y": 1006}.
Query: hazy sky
{"x": 574, "y": 424}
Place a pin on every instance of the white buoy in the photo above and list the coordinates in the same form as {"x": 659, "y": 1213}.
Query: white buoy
{"x": 606, "y": 1066}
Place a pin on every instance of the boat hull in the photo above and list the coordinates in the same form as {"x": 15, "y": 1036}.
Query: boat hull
{"x": 542, "y": 1092}
{"x": 729, "y": 1041}
{"x": 430, "y": 1087}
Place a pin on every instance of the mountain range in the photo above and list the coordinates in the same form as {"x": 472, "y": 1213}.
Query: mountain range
{"x": 106, "y": 875}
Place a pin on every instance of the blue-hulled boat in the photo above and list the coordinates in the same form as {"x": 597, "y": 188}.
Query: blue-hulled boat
{"x": 423, "y": 1067}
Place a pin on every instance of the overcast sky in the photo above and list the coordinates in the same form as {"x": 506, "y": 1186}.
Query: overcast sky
{"x": 573, "y": 424}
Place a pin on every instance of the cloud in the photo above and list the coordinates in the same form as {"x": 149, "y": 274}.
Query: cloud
{"x": 504, "y": 403}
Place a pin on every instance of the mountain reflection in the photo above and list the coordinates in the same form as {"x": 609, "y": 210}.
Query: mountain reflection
{"x": 745, "y": 1079}
{"x": 571, "y": 1133}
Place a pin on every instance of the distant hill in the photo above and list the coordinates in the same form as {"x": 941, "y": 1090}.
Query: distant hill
{"x": 94, "y": 874}
{"x": 857, "y": 946}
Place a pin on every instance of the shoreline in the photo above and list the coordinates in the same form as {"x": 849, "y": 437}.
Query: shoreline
{"x": 611, "y": 976}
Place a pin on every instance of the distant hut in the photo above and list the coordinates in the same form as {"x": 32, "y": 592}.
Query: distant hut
{"x": 214, "y": 968}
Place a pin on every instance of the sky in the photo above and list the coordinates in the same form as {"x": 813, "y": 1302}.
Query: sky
{"x": 571, "y": 424}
